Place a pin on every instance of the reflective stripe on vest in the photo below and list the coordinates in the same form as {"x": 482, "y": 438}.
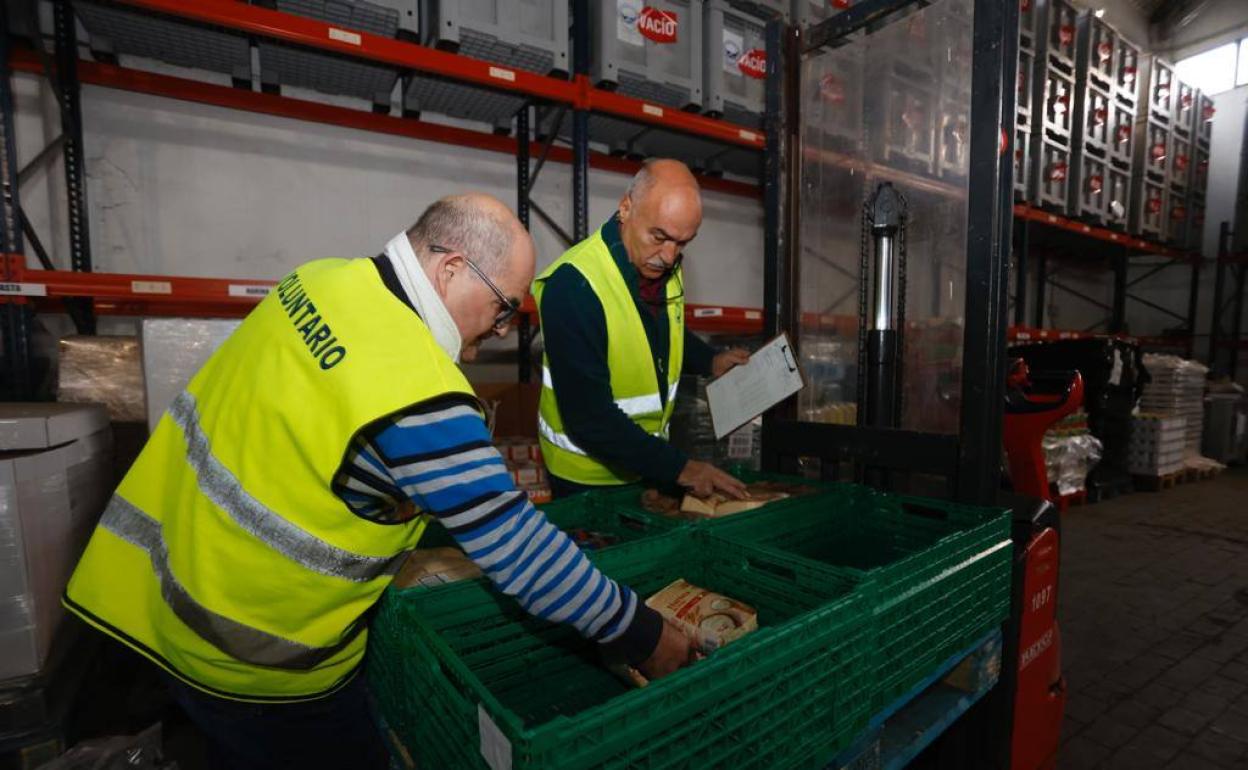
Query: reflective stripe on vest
{"x": 247, "y": 644}
{"x": 298, "y": 545}
{"x": 225, "y": 555}
{"x": 634, "y": 406}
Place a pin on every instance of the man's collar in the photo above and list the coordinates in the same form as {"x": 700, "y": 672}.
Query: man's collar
{"x": 615, "y": 244}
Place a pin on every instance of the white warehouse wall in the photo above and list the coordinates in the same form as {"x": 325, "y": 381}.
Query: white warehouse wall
{"x": 186, "y": 189}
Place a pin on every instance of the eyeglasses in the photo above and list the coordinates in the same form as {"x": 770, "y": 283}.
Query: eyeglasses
{"x": 510, "y": 305}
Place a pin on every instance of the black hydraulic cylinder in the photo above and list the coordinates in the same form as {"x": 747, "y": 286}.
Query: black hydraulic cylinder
{"x": 881, "y": 378}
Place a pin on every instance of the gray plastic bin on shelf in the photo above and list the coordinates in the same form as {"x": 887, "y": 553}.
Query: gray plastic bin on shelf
{"x": 623, "y": 59}
{"x": 529, "y": 35}
{"x": 734, "y": 64}
{"x": 116, "y": 31}
{"x": 284, "y": 65}
{"x": 807, "y": 12}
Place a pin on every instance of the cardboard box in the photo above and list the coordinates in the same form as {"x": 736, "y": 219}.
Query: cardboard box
{"x": 511, "y": 407}
{"x": 55, "y": 478}
{"x": 173, "y": 351}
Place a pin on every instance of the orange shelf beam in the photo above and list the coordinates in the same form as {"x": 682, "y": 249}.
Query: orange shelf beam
{"x": 1033, "y": 214}
{"x": 578, "y": 93}
{"x": 185, "y": 89}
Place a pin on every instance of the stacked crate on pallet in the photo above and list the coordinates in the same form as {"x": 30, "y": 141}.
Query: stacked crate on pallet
{"x": 734, "y": 69}
{"x": 1023, "y": 126}
{"x": 1202, "y": 128}
{"x": 285, "y": 65}
{"x": 1151, "y": 213}
{"x": 1100, "y": 183}
{"x": 1157, "y": 444}
{"x": 906, "y": 76}
{"x": 953, "y": 121}
{"x": 1177, "y": 389}
{"x": 1052, "y": 103}
{"x": 117, "y": 31}
{"x": 653, "y": 54}
{"x": 535, "y": 40}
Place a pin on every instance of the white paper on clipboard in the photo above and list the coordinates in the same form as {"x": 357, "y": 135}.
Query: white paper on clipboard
{"x": 750, "y": 389}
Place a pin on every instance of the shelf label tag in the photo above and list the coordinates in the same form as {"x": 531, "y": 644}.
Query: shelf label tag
{"x": 650, "y": 109}
{"x": 151, "y": 287}
{"x": 708, "y": 312}
{"x": 23, "y": 289}
{"x": 495, "y": 748}
{"x": 503, "y": 74}
{"x": 345, "y": 36}
{"x": 249, "y": 290}
{"x": 753, "y": 315}
{"x": 748, "y": 136}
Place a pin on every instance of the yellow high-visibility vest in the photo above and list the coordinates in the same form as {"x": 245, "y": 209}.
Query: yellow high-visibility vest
{"x": 634, "y": 383}
{"x": 225, "y": 556}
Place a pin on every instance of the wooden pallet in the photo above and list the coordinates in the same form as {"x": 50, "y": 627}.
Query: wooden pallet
{"x": 1158, "y": 483}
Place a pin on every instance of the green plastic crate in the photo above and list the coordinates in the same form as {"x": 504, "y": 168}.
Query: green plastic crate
{"x": 628, "y": 498}
{"x": 939, "y": 572}
{"x": 575, "y": 512}
{"x": 443, "y": 663}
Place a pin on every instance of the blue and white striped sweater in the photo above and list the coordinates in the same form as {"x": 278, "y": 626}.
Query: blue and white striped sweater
{"x": 440, "y": 457}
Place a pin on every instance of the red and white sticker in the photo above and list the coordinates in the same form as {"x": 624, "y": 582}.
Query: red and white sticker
{"x": 840, "y": 5}
{"x": 831, "y": 89}
{"x": 658, "y": 25}
{"x": 753, "y": 63}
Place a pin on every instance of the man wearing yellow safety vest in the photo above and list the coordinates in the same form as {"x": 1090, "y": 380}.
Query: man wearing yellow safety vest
{"x": 283, "y": 488}
{"x": 612, "y": 312}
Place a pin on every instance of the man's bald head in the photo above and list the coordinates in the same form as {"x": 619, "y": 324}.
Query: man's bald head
{"x": 479, "y": 225}
{"x": 659, "y": 214}
{"x": 460, "y": 232}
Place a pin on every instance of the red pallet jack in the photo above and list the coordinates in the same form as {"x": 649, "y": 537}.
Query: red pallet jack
{"x": 1033, "y": 404}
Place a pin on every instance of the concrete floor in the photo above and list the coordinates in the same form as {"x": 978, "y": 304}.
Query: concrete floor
{"x": 1154, "y": 622}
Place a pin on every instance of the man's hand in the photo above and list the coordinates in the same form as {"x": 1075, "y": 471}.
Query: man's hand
{"x": 704, "y": 480}
{"x": 674, "y": 650}
{"x": 728, "y": 359}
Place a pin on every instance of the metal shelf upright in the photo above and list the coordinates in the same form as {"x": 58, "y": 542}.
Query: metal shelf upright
{"x": 1041, "y": 235}
{"x": 23, "y": 289}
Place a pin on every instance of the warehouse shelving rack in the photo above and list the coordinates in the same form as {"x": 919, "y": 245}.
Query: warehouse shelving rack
{"x": 1225, "y": 344}
{"x": 1040, "y": 234}
{"x": 84, "y": 293}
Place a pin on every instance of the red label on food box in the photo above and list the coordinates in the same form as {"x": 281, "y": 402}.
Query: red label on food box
{"x": 753, "y": 63}
{"x": 659, "y": 26}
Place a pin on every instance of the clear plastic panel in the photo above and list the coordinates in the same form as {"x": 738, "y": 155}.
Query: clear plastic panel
{"x": 890, "y": 106}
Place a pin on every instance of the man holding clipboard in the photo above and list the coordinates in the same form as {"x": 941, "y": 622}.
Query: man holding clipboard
{"x": 612, "y": 312}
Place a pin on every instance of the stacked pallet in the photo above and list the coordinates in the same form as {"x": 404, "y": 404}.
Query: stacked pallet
{"x": 1158, "y": 445}
{"x": 1177, "y": 389}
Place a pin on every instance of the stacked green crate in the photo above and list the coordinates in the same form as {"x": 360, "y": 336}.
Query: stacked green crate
{"x": 938, "y": 573}
{"x": 462, "y": 672}
{"x": 628, "y": 498}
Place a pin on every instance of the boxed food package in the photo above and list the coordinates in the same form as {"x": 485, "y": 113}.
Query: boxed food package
{"x": 55, "y": 478}
{"x": 434, "y": 567}
{"x": 710, "y": 619}
{"x": 102, "y": 370}
{"x": 173, "y": 351}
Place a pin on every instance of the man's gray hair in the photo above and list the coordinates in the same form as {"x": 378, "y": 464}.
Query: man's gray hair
{"x": 642, "y": 181}
{"x": 460, "y": 223}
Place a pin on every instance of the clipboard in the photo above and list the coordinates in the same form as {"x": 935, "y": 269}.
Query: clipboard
{"x": 746, "y": 391}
